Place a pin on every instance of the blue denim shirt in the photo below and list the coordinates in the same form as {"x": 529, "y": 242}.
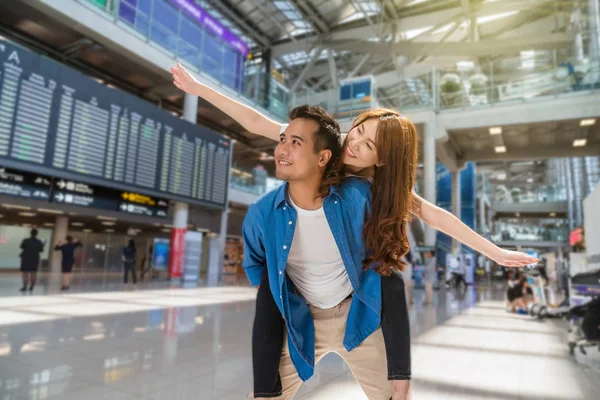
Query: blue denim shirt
{"x": 268, "y": 232}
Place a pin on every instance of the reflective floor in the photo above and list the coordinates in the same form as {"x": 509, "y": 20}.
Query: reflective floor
{"x": 173, "y": 343}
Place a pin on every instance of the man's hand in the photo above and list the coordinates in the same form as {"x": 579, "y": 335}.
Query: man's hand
{"x": 509, "y": 258}
{"x": 183, "y": 79}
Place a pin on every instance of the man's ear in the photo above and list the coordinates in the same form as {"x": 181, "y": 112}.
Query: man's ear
{"x": 324, "y": 157}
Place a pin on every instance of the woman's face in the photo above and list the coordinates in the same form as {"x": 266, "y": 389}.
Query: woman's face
{"x": 360, "y": 150}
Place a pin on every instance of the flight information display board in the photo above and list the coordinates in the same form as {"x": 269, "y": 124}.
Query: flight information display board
{"x": 57, "y": 121}
{"x": 45, "y": 188}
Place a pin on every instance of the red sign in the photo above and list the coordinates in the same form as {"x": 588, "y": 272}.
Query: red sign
{"x": 576, "y": 236}
{"x": 176, "y": 253}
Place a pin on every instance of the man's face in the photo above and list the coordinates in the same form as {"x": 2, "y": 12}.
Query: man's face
{"x": 295, "y": 158}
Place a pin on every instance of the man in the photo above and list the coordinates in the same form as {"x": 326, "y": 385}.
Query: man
{"x": 30, "y": 259}
{"x": 312, "y": 248}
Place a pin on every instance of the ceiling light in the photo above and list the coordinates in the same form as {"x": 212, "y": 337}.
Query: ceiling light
{"x": 27, "y": 214}
{"x": 530, "y": 180}
{"x": 16, "y": 207}
{"x": 517, "y": 214}
{"x": 587, "y": 122}
{"x": 108, "y": 223}
{"x": 47, "y": 211}
{"x": 553, "y": 214}
{"x": 465, "y": 65}
{"x": 579, "y": 142}
{"x": 109, "y": 230}
{"x": 415, "y": 2}
{"x": 500, "y": 149}
{"x": 166, "y": 230}
{"x": 495, "y": 130}
{"x": 48, "y": 224}
{"x": 77, "y": 223}
{"x": 106, "y": 218}
{"x": 87, "y": 230}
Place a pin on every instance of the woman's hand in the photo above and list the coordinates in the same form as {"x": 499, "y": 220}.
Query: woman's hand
{"x": 184, "y": 80}
{"x": 509, "y": 258}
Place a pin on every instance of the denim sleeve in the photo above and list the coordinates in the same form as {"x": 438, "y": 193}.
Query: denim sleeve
{"x": 254, "y": 250}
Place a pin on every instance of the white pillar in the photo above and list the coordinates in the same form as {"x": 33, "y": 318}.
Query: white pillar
{"x": 190, "y": 108}
{"x": 594, "y": 24}
{"x": 482, "y": 215}
{"x": 456, "y": 203}
{"x": 216, "y": 261}
{"x": 429, "y": 175}
{"x": 217, "y": 246}
{"x": 180, "y": 214}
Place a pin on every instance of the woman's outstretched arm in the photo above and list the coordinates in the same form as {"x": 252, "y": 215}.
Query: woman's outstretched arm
{"x": 252, "y": 120}
{"x": 444, "y": 221}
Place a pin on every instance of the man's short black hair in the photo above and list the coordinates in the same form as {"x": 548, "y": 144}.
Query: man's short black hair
{"x": 34, "y": 232}
{"x": 328, "y": 136}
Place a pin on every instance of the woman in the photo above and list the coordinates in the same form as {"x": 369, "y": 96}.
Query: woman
{"x": 30, "y": 259}
{"x": 68, "y": 259}
{"x": 129, "y": 261}
{"x": 382, "y": 147}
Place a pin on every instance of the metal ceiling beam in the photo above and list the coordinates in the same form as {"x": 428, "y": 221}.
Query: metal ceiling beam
{"x": 528, "y": 154}
{"x": 358, "y": 66}
{"x": 391, "y": 7}
{"x": 225, "y": 8}
{"x": 313, "y": 16}
{"x": 332, "y": 68}
{"x": 365, "y": 31}
{"x": 273, "y": 19}
{"x": 474, "y": 49}
{"x": 302, "y": 76}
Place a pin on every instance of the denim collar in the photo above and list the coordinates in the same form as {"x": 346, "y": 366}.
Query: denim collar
{"x": 283, "y": 190}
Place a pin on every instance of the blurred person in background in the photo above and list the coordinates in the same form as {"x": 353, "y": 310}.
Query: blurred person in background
{"x": 30, "y": 259}
{"x": 68, "y": 259}
{"x": 519, "y": 294}
{"x": 129, "y": 261}
{"x": 429, "y": 275}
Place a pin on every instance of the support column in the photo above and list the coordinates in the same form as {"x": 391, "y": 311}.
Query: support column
{"x": 482, "y": 215}
{"x": 180, "y": 215}
{"x": 217, "y": 243}
{"x": 569, "y": 189}
{"x": 190, "y": 108}
{"x": 267, "y": 94}
{"x": 456, "y": 203}
{"x": 429, "y": 175}
{"x": 180, "y": 220}
{"x": 594, "y": 24}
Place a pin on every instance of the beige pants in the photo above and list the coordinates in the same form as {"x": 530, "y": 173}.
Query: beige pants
{"x": 367, "y": 362}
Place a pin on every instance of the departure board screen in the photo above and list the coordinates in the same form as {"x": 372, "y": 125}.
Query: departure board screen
{"x": 56, "y": 121}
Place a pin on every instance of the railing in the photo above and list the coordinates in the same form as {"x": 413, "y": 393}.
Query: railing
{"x": 257, "y": 184}
{"x": 187, "y": 40}
{"x": 451, "y": 89}
{"x": 476, "y": 89}
{"x": 540, "y": 195}
{"x": 523, "y": 233}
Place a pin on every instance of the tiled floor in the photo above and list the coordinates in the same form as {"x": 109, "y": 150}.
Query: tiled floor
{"x": 170, "y": 343}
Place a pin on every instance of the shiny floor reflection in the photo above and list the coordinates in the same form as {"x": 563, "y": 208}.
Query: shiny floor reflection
{"x": 195, "y": 344}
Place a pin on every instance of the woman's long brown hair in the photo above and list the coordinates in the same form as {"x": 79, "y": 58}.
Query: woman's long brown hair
{"x": 385, "y": 234}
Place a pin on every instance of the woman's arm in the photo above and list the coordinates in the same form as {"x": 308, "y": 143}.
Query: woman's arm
{"x": 249, "y": 118}
{"x": 444, "y": 221}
